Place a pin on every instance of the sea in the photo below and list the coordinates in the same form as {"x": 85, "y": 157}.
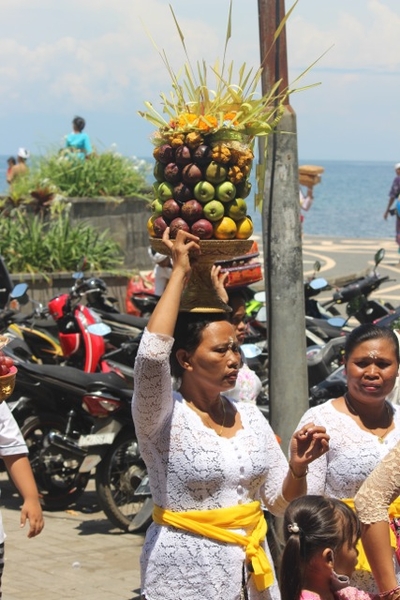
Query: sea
{"x": 348, "y": 202}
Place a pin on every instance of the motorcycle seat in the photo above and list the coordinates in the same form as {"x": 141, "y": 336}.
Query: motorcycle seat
{"x": 124, "y": 319}
{"x": 76, "y": 377}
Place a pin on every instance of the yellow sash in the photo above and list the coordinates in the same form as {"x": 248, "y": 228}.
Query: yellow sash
{"x": 394, "y": 511}
{"x": 217, "y": 523}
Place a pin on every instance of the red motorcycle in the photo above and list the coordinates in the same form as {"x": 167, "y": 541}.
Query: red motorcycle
{"x": 80, "y": 330}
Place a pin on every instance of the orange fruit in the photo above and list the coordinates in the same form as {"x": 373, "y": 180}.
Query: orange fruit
{"x": 244, "y": 228}
{"x": 150, "y": 227}
{"x": 225, "y": 229}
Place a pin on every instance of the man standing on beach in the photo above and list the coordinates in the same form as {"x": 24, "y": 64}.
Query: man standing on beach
{"x": 393, "y": 195}
{"x": 20, "y": 168}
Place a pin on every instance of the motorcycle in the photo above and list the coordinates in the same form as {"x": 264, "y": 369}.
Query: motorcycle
{"x": 356, "y": 295}
{"x": 74, "y": 422}
{"x": 140, "y": 299}
{"x": 123, "y": 326}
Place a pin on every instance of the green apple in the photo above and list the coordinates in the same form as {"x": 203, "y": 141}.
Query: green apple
{"x": 204, "y": 191}
{"x": 165, "y": 191}
{"x": 225, "y": 191}
{"x": 157, "y": 207}
{"x": 213, "y": 210}
{"x": 237, "y": 209}
{"x": 215, "y": 172}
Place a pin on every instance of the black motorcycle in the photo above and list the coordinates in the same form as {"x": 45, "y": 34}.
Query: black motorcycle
{"x": 73, "y": 423}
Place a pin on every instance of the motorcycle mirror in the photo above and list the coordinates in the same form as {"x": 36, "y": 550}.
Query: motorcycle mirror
{"x": 318, "y": 284}
{"x": 379, "y": 256}
{"x": 259, "y": 297}
{"x": 250, "y": 350}
{"x": 99, "y": 329}
{"x": 337, "y": 321}
{"x": 78, "y": 275}
{"x": 19, "y": 291}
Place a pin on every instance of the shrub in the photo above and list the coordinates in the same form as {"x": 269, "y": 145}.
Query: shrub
{"x": 38, "y": 244}
{"x": 106, "y": 174}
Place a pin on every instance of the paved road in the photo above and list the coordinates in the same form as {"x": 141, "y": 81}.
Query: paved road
{"x": 342, "y": 258}
{"x": 79, "y": 555}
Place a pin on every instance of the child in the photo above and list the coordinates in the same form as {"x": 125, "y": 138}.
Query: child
{"x": 320, "y": 553}
{"x": 14, "y": 452}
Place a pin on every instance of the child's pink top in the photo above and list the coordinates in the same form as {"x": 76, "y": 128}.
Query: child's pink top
{"x": 348, "y": 593}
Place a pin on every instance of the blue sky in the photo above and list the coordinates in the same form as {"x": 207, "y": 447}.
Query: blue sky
{"x": 94, "y": 58}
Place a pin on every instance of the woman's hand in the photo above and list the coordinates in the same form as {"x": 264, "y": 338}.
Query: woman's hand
{"x": 184, "y": 249}
{"x": 307, "y": 444}
{"x": 218, "y": 280}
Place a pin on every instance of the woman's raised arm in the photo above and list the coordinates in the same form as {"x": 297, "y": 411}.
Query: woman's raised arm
{"x": 164, "y": 316}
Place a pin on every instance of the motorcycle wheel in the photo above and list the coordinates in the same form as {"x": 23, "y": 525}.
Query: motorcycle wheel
{"x": 117, "y": 477}
{"x": 57, "y": 478}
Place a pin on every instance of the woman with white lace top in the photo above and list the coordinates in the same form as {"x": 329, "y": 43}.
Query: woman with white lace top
{"x": 375, "y": 503}
{"x": 211, "y": 461}
{"x": 363, "y": 426}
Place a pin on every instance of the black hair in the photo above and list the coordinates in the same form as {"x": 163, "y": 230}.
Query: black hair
{"x": 365, "y": 333}
{"x": 311, "y": 524}
{"x": 12, "y": 160}
{"x": 242, "y": 293}
{"x": 188, "y": 334}
{"x": 79, "y": 123}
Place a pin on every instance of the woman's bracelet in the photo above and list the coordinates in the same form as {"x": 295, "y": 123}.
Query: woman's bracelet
{"x": 389, "y": 592}
{"x": 293, "y": 474}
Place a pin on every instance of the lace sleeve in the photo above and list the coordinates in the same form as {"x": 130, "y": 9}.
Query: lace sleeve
{"x": 152, "y": 397}
{"x": 379, "y": 489}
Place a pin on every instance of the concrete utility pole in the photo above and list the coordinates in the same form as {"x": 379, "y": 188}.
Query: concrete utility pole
{"x": 288, "y": 386}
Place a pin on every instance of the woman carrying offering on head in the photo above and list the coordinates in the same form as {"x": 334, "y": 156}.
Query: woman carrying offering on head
{"x": 211, "y": 461}
{"x": 363, "y": 426}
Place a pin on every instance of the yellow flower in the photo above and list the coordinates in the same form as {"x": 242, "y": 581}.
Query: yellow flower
{"x": 186, "y": 119}
{"x": 207, "y": 122}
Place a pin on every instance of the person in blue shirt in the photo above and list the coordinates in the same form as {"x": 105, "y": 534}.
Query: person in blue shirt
{"x": 78, "y": 141}
{"x": 393, "y": 196}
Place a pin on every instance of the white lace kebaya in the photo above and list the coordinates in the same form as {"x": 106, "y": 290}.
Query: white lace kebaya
{"x": 192, "y": 468}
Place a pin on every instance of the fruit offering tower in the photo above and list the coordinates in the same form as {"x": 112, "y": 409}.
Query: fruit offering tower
{"x": 204, "y": 148}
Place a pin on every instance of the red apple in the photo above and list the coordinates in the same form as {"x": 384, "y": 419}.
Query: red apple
{"x": 164, "y": 154}
{"x": 159, "y": 226}
{"x": 172, "y": 173}
{"x": 176, "y": 225}
{"x": 191, "y": 210}
{"x": 183, "y": 155}
{"x": 182, "y": 192}
{"x": 4, "y": 370}
{"x": 191, "y": 174}
{"x": 202, "y": 155}
{"x": 8, "y": 361}
{"x": 170, "y": 209}
{"x": 203, "y": 229}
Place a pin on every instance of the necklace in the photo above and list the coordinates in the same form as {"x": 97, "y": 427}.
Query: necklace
{"x": 354, "y": 412}
{"x": 223, "y": 418}
{"x": 211, "y": 421}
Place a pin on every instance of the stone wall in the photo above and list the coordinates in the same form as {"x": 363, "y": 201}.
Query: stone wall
{"x": 126, "y": 220}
